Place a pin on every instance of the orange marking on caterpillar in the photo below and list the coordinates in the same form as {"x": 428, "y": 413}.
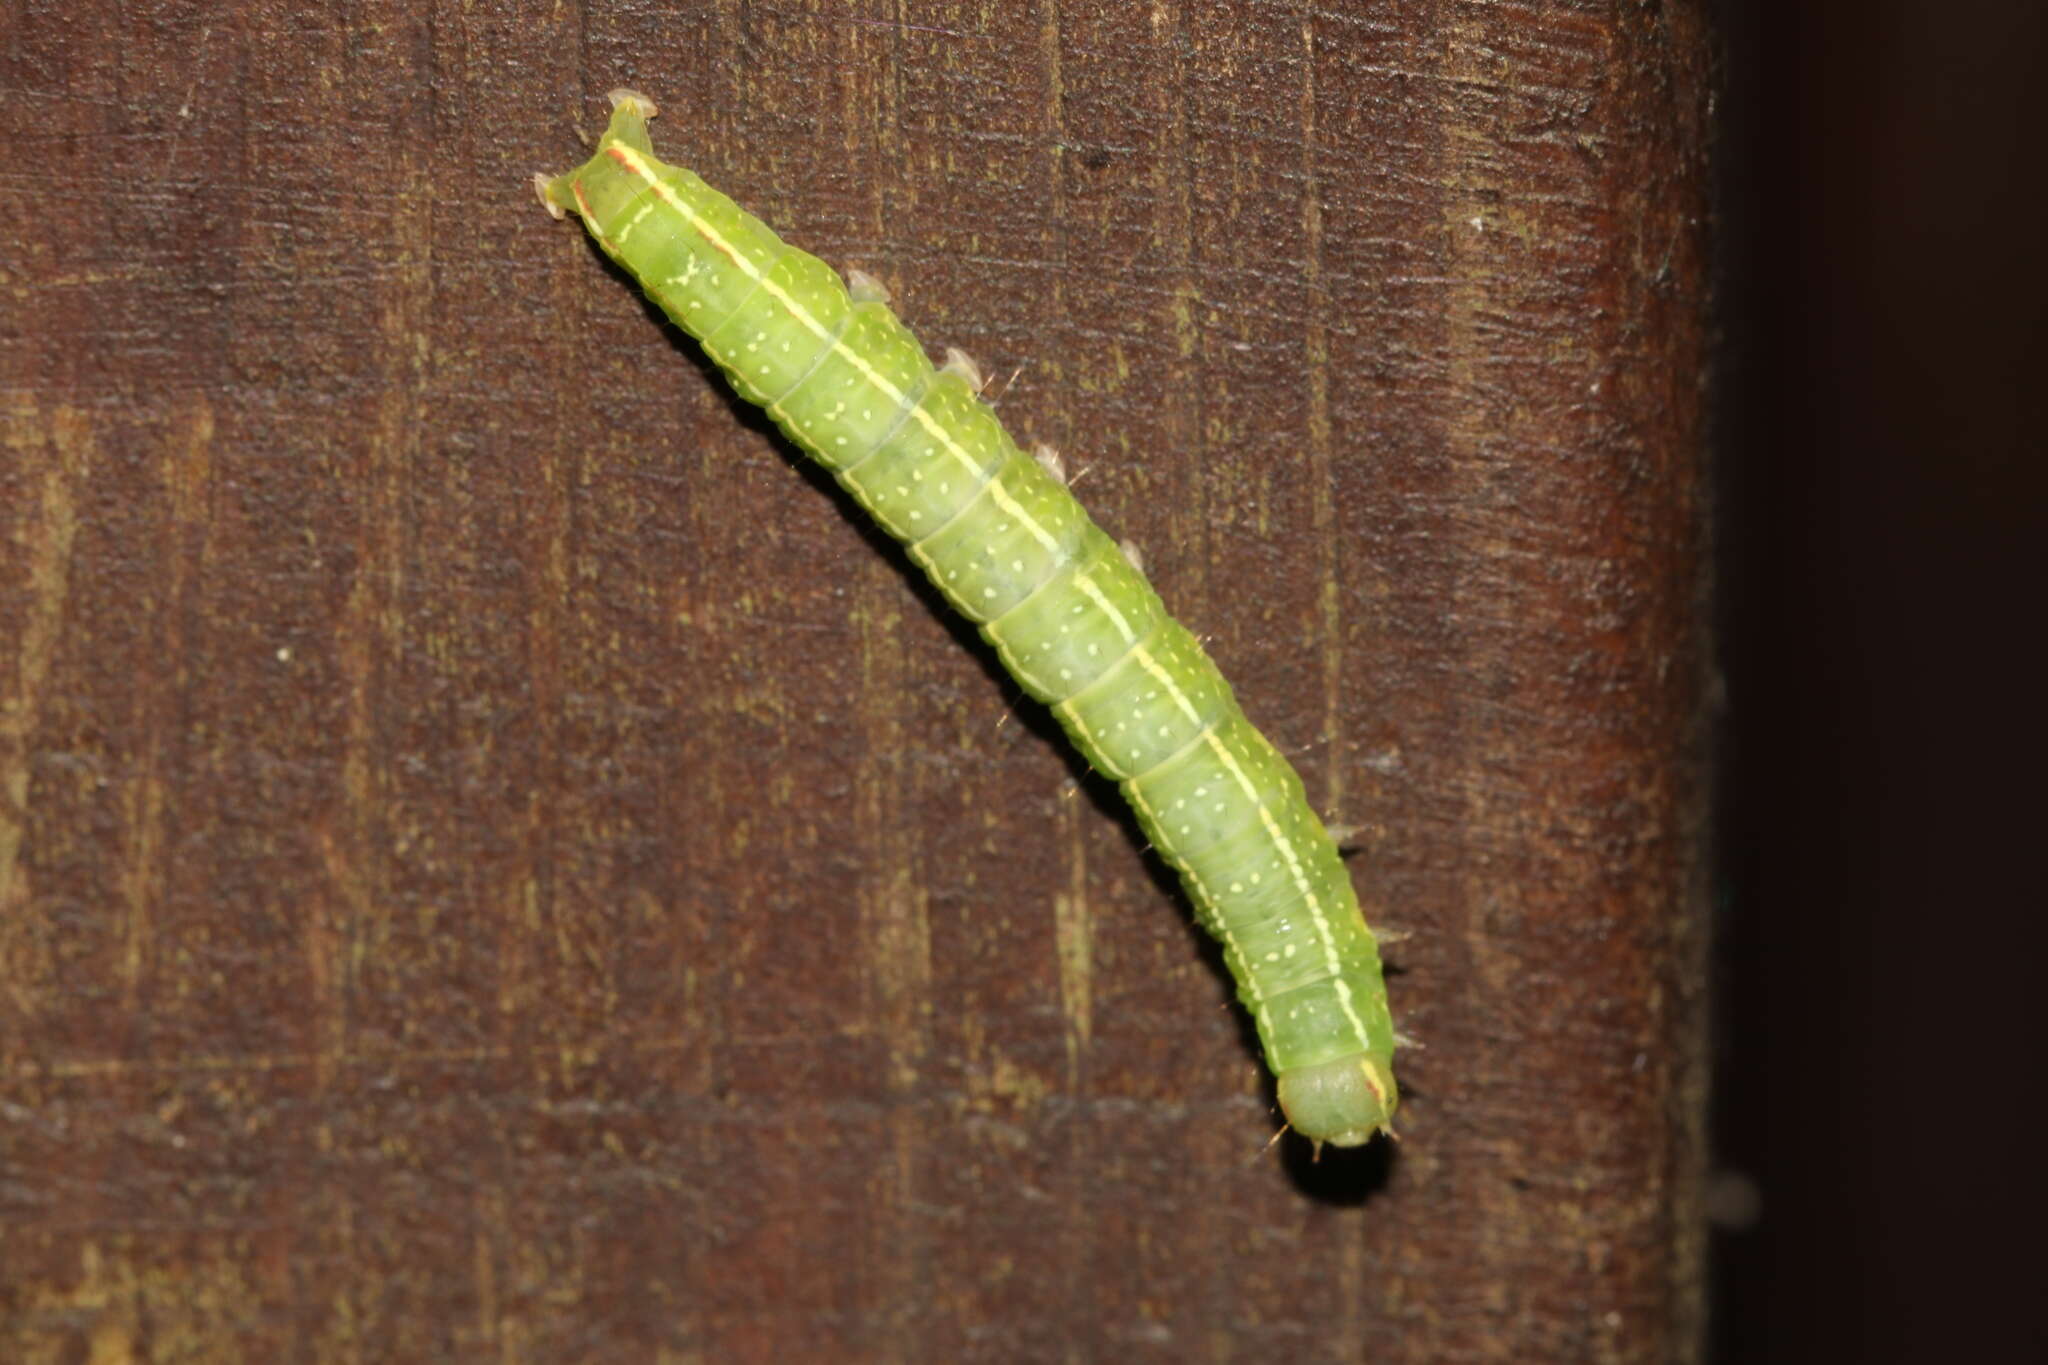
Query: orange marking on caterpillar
{"x": 641, "y": 169}
{"x": 583, "y": 207}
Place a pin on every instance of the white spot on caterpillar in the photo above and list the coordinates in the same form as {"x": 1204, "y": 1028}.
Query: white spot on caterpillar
{"x": 633, "y": 222}
{"x": 1049, "y": 460}
{"x": 1132, "y": 553}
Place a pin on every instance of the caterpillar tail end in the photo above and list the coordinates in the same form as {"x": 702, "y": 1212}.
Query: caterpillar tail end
{"x": 1344, "y": 1102}
{"x": 630, "y": 112}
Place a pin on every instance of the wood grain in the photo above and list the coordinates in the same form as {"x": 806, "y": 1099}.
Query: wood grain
{"x": 458, "y": 900}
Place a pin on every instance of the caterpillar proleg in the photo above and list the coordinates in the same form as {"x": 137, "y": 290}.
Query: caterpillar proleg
{"x": 1074, "y": 621}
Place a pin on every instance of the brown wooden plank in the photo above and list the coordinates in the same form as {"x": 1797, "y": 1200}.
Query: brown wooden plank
{"x": 497, "y": 860}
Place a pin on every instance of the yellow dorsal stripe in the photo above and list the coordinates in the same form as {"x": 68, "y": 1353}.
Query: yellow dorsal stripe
{"x": 1107, "y": 607}
{"x": 1316, "y": 913}
{"x": 1016, "y": 509}
{"x": 640, "y": 166}
{"x": 1165, "y": 680}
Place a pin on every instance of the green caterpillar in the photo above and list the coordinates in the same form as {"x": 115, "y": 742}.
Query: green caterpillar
{"x": 1074, "y": 621}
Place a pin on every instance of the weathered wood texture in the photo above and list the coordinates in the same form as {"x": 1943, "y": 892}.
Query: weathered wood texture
{"x": 495, "y": 863}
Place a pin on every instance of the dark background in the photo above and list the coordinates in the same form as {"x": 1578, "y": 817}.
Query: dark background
{"x": 1881, "y": 548}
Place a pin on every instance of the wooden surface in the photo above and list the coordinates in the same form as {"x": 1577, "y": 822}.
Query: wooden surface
{"x": 497, "y": 862}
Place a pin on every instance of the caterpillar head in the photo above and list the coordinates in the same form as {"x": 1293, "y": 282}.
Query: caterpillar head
{"x": 586, "y": 190}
